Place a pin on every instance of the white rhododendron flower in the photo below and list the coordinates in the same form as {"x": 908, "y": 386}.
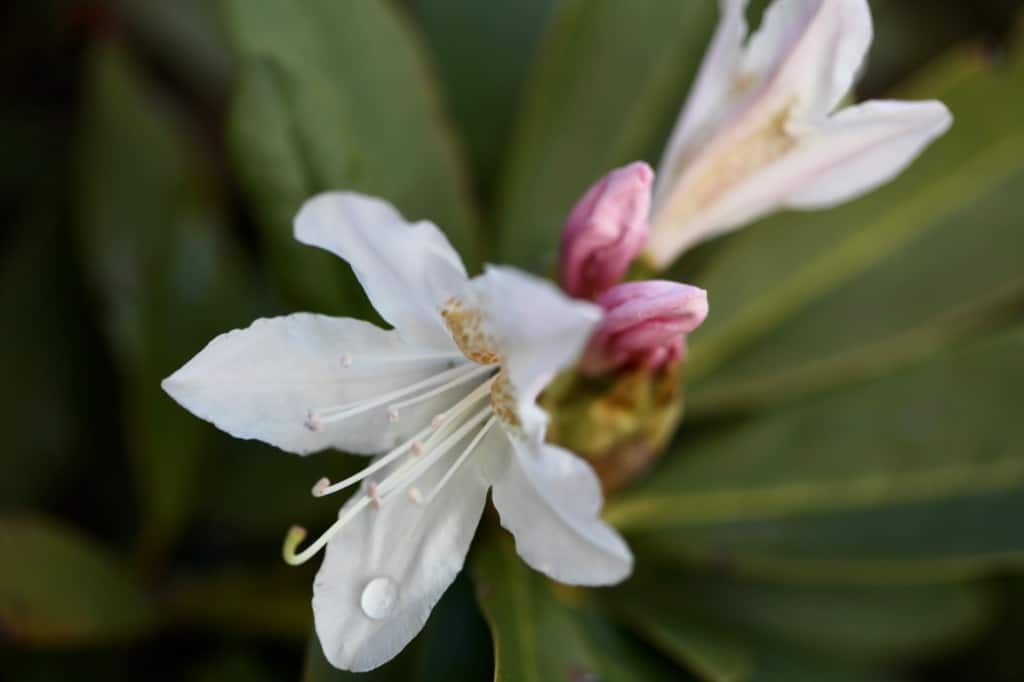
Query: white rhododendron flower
{"x": 447, "y": 396}
{"x": 760, "y": 130}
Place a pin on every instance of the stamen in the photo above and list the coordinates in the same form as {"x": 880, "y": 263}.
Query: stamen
{"x": 438, "y": 420}
{"x": 383, "y": 461}
{"x": 331, "y": 414}
{"x": 392, "y": 415}
{"x": 371, "y": 360}
{"x": 296, "y": 534}
{"x": 452, "y": 418}
{"x": 313, "y": 421}
{"x": 476, "y": 371}
{"x": 346, "y": 360}
{"x": 461, "y": 459}
{"x": 321, "y": 486}
{"x": 378, "y": 494}
{"x": 415, "y": 495}
{"x": 415, "y": 444}
{"x": 408, "y": 474}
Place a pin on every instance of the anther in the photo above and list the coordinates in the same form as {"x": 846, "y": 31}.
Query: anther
{"x": 313, "y": 421}
{"x": 438, "y": 420}
{"x": 321, "y": 486}
{"x": 418, "y": 449}
{"x": 392, "y": 415}
{"x": 371, "y": 490}
{"x": 415, "y": 495}
{"x": 346, "y": 360}
{"x": 295, "y": 536}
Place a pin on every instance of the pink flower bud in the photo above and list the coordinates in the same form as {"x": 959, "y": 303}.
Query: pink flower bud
{"x": 605, "y": 231}
{"x": 645, "y": 325}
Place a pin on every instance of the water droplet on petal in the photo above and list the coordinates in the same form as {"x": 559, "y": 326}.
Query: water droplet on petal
{"x": 379, "y": 598}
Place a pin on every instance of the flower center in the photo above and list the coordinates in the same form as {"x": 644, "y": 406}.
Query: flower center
{"x": 503, "y": 400}
{"x": 466, "y": 325}
{"x": 469, "y": 419}
{"x": 464, "y": 423}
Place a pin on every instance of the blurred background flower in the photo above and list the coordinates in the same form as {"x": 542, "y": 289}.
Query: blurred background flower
{"x": 843, "y": 500}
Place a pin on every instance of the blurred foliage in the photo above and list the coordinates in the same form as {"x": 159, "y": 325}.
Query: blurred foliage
{"x": 544, "y": 631}
{"x": 909, "y": 492}
{"x": 843, "y": 502}
{"x": 58, "y": 588}
{"x": 165, "y": 279}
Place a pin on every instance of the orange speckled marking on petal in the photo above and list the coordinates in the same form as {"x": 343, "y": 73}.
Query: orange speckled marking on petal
{"x": 467, "y": 329}
{"x": 503, "y": 400}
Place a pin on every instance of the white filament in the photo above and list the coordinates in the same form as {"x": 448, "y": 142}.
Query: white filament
{"x": 413, "y": 444}
{"x": 461, "y": 459}
{"x": 449, "y": 378}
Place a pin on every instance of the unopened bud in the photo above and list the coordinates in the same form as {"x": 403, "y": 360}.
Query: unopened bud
{"x": 645, "y": 325}
{"x": 605, "y": 231}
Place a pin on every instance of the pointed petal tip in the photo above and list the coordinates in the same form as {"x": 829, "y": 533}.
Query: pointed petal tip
{"x": 308, "y": 224}
{"x": 942, "y": 115}
{"x": 305, "y": 223}
{"x": 174, "y": 384}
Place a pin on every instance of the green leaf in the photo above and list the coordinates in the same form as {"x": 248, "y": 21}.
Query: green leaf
{"x": 608, "y": 83}
{"x": 166, "y": 277}
{"x": 484, "y": 92}
{"x": 57, "y": 587}
{"x": 997, "y": 658}
{"x": 542, "y": 633}
{"x": 917, "y": 475}
{"x": 274, "y": 152}
{"x": 711, "y": 654}
{"x": 452, "y": 646}
{"x": 866, "y": 624}
{"x": 226, "y": 601}
{"x": 352, "y": 79}
{"x": 188, "y": 37}
{"x": 718, "y": 656}
{"x": 44, "y": 416}
{"x": 807, "y": 300}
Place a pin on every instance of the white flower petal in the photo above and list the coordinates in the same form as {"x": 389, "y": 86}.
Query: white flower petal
{"x": 538, "y": 329}
{"x": 853, "y": 152}
{"x": 860, "y": 148}
{"x": 260, "y": 382}
{"x": 714, "y": 92}
{"x": 415, "y": 549}
{"x": 550, "y": 500}
{"x": 810, "y": 51}
{"x": 850, "y": 153}
{"x": 409, "y": 270}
